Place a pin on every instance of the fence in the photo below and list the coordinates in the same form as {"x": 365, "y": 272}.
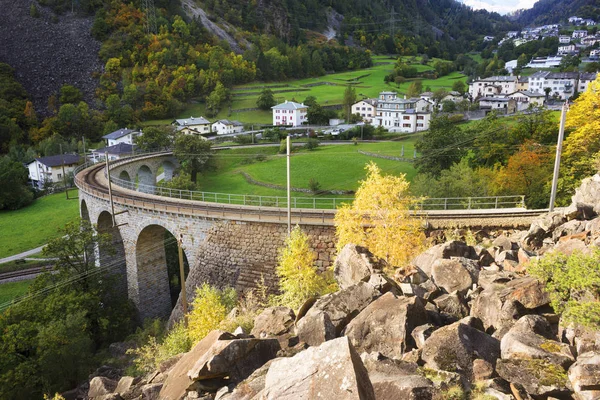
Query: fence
{"x": 473, "y": 203}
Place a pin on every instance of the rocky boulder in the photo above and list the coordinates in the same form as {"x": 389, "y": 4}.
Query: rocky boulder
{"x": 100, "y": 386}
{"x": 273, "y": 321}
{"x": 354, "y": 264}
{"x": 340, "y": 308}
{"x": 425, "y": 260}
{"x": 456, "y": 274}
{"x": 455, "y": 347}
{"x": 537, "y": 377}
{"x": 386, "y": 324}
{"x": 584, "y": 376}
{"x": 588, "y": 194}
{"x": 332, "y": 370}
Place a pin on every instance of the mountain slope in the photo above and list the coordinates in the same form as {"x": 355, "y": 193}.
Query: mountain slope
{"x": 552, "y": 11}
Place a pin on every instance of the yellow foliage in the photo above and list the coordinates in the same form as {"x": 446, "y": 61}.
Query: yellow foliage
{"x": 298, "y": 277}
{"x": 209, "y": 308}
{"x": 381, "y": 219}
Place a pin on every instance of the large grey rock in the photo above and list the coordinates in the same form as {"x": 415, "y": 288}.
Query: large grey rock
{"x": 315, "y": 329}
{"x": 395, "y": 379}
{"x": 251, "y": 386}
{"x": 504, "y": 243}
{"x": 425, "y": 260}
{"x": 568, "y": 247}
{"x": 421, "y": 333}
{"x": 542, "y": 228}
{"x": 456, "y": 274}
{"x": 100, "y": 386}
{"x": 331, "y": 371}
{"x": 354, "y": 264}
{"x": 582, "y": 338}
{"x": 455, "y": 347}
{"x": 452, "y": 306}
{"x": 569, "y": 228}
{"x": 538, "y": 377}
{"x": 588, "y": 193}
{"x": 385, "y": 325}
{"x": 125, "y": 385}
{"x": 584, "y": 376}
{"x": 152, "y": 391}
{"x": 522, "y": 342}
{"x": 273, "y": 321}
{"x": 341, "y": 307}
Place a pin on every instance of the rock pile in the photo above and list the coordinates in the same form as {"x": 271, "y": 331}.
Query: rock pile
{"x": 465, "y": 318}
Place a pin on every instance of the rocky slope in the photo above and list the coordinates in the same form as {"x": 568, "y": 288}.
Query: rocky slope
{"x": 48, "y": 52}
{"x": 465, "y": 318}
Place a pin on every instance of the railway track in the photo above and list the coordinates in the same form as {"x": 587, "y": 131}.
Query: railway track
{"x": 93, "y": 181}
{"x": 14, "y": 275}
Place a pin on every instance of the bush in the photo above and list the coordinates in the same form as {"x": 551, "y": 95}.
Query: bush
{"x": 311, "y": 144}
{"x": 283, "y": 147}
{"x": 456, "y": 118}
{"x": 209, "y": 308}
{"x": 314, "y": 185}
{"x": 573, "y": 283}
{"x": 298, "y": 277}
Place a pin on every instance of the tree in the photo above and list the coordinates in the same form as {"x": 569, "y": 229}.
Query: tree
{"x": 536, "y": 124}
{"x": 216, "y": 98}
{"x": 70, "y": 95}
{"x": 349, "y": 100}
{"x": 414, "y": 89}
{"x": 440, "y": 146}
{"x": 14, "y": 192}
{"x": 448, "y": 106}
{"x": 522, "y": 60}
{"x": 156, "y": 138}
{"x": 382, "y": 218}
{"x": 299, "y": 279}
{"x": 582, "y": 145}
{"x": 438, "y": 95}
{"x": 459, "y": 86}
{"x": 193, "y": 152}
{"x": 266, "y": 100}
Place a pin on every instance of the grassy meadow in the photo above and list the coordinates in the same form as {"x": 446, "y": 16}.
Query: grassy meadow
{"x": 328, "y": 89}
{"x": 10, "y": 290}
{"x": 335, "y": 167}
{"x": 34, "y": 225}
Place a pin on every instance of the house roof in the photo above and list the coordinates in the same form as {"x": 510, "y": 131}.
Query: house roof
{"x": 57, "y": 160}
{"x": 289, "y": 105}
{"x": 563, "y": 75}
{"x": 119, "y": 148}
{"x": 499, "y": 99}
{"x": 499, "y": 79}
{"x": 539, "y": 75}
{"x": 528, "y": 94}
{"x": 228, "y": 122}
{"x": 192, "y": 121}
{"x": 372, "y": 102}
{"x": 118, "y": 134}
{"x": 523, "y": 79}
{"x": 427, "y": 94}
{"x": 587, "y": 76}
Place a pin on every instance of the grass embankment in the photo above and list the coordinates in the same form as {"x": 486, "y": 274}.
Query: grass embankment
{"x": 335, "y": 167}
{"x": 328, "y": 90}
{"x": 10, "y": 290}
{"x": 34, "y": 225}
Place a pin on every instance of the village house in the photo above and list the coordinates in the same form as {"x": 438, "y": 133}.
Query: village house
{"x": 545, "y": 62}
{"x": 52, "y": 169}
{"x": 114, "y": 152}
{"x": 564, "y": 39}
{"x": 193, "y": 126}
{"x": 123, "y": 135}
{"x": 585, "y": 78}
{"x": 401, "y": 115}
{"x": 504, "y": 105}
{"x": 225, "y": 126}
{"x": 492, "y": 86}
{"x": 522, "y": 83}
{"x": 565, "y": 50}
{"x": 578, "y": 34}
{"x": 525, "y": 99}
{"x": 365, "y": 108}
{"x": 290, "y": 113}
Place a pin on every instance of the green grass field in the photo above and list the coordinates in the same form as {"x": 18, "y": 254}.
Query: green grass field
{"x": 34, "y": 225}
{"x": 335, "y": 167}
{"x": 329, "y": 91}
{"x": 10, "y": 290}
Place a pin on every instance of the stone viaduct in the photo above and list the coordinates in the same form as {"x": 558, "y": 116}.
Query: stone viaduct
{"x": 224, "y": 244}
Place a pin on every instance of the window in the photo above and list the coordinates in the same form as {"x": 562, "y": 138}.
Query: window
{"x": 420, "y": 125}
{"x": 406, "y": 125}
{"x": 406, "y": 117}
{"x": 59, "y": 176}
{"x": 420, "y": 117}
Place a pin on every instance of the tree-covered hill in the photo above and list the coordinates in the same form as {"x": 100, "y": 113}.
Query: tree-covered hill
{"x": 552, "y": 11}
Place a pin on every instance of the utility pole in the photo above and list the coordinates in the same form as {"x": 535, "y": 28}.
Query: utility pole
{"x": 561, "y": 134}
{"x": 402, "y": 153}
{"x": 182, "y": 280}
{"x": 112, "y": 204}
{"x": 289, "y": 188}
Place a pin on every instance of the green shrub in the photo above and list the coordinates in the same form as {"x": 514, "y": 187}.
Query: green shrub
{"x": 33, "y": 11}
{"x": 573, "y": 283}
{"x": 314, "y": 185}
{"x": 311, "y": 144}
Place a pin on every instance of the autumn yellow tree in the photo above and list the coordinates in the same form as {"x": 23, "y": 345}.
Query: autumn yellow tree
{"x": 299, "y": 279}
{"x": 382, "y": 218}
{"x": 582, "y": 145}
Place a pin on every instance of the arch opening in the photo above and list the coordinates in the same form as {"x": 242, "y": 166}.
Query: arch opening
{"x": 165, "y": 171}
{"x": 112, "y": 257}
{"x": 157, "y": 259}
{"x": 90, "y": 251}
{"x": 124, "y": 176}
{"x": 145, "y": 180}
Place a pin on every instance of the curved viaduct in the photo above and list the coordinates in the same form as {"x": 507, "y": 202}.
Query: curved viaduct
{"x": 224, "y": 244}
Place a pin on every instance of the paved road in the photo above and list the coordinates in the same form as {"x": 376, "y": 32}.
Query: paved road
{"x": 21, "y": 255}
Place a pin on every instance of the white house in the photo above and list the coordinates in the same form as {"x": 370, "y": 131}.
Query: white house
{"x": 579, "y": 34}
{"x": 193, "y": 126}
{"x": 545, "y": 62}
{"x": 400, "y": 115}
{"x": 365, "y": 108}
{"x": 562, "y": 83}
{"x": 589, "y": 40}
{"x": 44, "y": 170}
{"x": 224, "y": 126}
{"x": 511, "y": 65}
{"x": 595, "y": 53}
{"x": 584, "y": 80}
{"x": 569, "y": 49}
{"x": 488, "y": 38}
{"x": 290, "y": 113}
{"x": 115, "y": 152}
{"x": 512, "y": 34}
{"x": 524, "y": 99}
{"x": 492, "y": 86}
{"x": 121, "y": 136}
{"x": 501, "y": 104}
{"x": 564, "y": 39}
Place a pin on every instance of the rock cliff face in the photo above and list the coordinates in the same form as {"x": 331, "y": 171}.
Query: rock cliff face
{"x": 48, "y": 52}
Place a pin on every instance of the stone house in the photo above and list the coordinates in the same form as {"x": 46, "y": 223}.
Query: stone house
{"x": 290, "y": 113}
{"x": 193, "y": 126}
{"x": 48, "y": 170}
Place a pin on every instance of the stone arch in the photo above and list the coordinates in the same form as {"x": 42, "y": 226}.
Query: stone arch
{"x": 112, "y": 257}
{"x": 157, "y": 271}
{"x": 84, "y": 213}
{"x": 90, "y": 252}
{"x": 145, "y": 179}
{"x": 166, "y": 169}
{"x": 124, "y": 176}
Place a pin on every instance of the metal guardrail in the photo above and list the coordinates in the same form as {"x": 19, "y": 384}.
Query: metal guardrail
{"x": 473, "y": 203}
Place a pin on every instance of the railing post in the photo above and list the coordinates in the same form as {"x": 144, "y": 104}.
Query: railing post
{"x": 445, "y": 203}
{"x": 244, "y": 199}
{"x": 496, "y": 205}
{"x": 260, "y": 201}
{"x": 314, "y": 202}
{"x": 295, "y": 202}
{"x": 469, "y": 204}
